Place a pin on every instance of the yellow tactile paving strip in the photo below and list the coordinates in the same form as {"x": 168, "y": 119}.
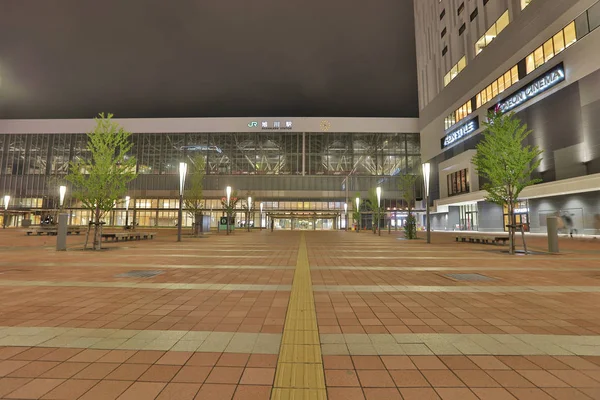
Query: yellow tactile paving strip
{"x": 300, "y": 365}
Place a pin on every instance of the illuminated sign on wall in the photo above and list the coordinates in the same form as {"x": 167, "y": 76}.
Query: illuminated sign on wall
{"x": 274, "y": 125}
{"x": 538, "y": 86}
{"x": 460, "y": 132}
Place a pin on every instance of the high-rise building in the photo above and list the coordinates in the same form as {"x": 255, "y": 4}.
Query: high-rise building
{"x": 538, "y": 58}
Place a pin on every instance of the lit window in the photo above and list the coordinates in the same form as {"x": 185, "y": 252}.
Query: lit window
{"x": 559, "y": 42}
{"x": 492, "y": 32}
{"x": 501, "y": 84}
{"x": 538, "y": 56}
{"x": 514, "y": 71}
{"x": 563, "y": 39}
{"x": 570, "y": 34}
{"x": 455, "y": 70}
{"x": 525, "y": 3}
{"x": 548, "y": 50}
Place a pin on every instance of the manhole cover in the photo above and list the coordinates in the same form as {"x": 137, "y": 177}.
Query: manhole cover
{"x": 139, "y": 274}
{"x": 469, "y": 277}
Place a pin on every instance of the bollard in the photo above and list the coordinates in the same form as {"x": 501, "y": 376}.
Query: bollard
{"x": 61, "y": 235}
{"x": 552, "y": 224}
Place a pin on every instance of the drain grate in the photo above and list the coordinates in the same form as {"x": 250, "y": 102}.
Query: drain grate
{"x": 139, "y": 274}
{"x": 469, "y": 277}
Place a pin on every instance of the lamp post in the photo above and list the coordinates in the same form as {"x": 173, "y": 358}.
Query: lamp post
{"x": 378, "y": 190}
{"x": 358, "y": 213}
{"x": 182, "y": 173}
{"x": 426, "y": 174}
{"x": 249, "y": 208}
{"x": 6, "y": 201}
{"x": 127, "y": 200}
{"x": 228, "y": 194}
{"x": 261, "y": 214}
{"x": 346, "y": 217}
{"x": 62, "y": 191}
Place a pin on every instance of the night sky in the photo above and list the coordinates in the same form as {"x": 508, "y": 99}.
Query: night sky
{"x": 207, "y": 58}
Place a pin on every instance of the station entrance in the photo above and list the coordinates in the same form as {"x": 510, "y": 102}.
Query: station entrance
{"x": 318, "y": 221}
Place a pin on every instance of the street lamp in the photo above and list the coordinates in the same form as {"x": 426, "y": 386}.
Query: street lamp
{"x": 62, "y": 191}
{"x": 358, "y": 214}
{"x": 261, "y": 213}
{"x": 346, "y": 216}
{"x": 127, "y": 200}
{"x": 182, "y": 172}
{"x": 378, "y": 190}
{"x": 426, "y": 174}
{"x": 228, "y": 194}
{"x": 249, "y": 208}
{"x": 6, "y": 201}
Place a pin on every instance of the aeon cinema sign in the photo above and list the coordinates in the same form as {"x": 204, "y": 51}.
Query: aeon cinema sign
{"x": 538, "y": 86}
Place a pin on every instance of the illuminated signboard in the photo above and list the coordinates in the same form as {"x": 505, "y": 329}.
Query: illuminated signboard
{"x": 552, "y": 78}
{"x": 274, "y": 125}
{"x": 460, "y": 132}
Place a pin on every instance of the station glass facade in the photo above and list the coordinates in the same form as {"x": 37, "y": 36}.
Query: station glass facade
{"x": 302, "y": 174}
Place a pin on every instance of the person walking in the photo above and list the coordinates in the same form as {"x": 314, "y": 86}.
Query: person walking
{"x": 272, "y": 224}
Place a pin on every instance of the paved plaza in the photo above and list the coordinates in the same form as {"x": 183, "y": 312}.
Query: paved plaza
{"x": 298, "y": 315}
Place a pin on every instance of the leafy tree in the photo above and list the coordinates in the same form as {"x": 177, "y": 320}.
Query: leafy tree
{"x": 230, "y": 208}
{"x": 506, "y": 163}
{"x": 101, "y": 179}
{"x": 407, "y": 186}
{"x": 373, "y": 206}
{"x": 193, "y": 196}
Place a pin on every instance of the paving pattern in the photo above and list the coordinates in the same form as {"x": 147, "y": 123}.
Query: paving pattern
{"x": 298, "y": 315}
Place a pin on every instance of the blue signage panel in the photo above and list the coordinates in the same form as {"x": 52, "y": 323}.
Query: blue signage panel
{"x": 460, "y": 132}
{"x": 551, "y": 78}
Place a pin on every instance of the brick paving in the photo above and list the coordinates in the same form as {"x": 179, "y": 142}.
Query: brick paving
{"x": 392, "y": 325}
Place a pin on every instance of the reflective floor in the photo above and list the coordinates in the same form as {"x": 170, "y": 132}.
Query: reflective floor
{"x": 297, "y": 314}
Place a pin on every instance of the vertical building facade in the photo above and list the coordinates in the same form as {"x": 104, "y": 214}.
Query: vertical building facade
{"x": 537, "y": 58}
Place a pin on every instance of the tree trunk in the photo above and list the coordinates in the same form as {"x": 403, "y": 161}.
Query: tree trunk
{"x": 511, "y": 229}
{"x": 96, "y": 230}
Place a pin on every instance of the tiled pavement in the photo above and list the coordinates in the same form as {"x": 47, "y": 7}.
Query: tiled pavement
{"x": 315, "y": 315}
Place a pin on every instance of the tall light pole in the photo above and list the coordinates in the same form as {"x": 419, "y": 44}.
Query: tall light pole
{"x": 426, "y": 174}
{"x": 378, "y": 190}
{"x": 127, "y": 200}
{"x": 6, "y": 201}
{"x": 62, "y": 191}
{"x": 182, "y": 173}
{"x": 358, "y": 213}
{"x": 261, "y": 214}
{"x": 228, "y": 194}
{"x": 249, "y": 208}
{"x": 346, "y": 217}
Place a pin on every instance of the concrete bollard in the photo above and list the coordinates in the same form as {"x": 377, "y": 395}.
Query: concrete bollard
{"x": 552, "y": 224}
{"x": 61, "y": 235}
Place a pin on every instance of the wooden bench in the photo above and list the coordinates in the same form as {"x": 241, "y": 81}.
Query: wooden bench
{"x": 116, "y": 236}
{"x": 480, "y": 238}
{"x": 51, "y": 231}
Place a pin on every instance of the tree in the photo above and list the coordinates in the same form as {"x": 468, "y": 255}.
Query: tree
{"x": 376, "y": 210}
{"x": 506, "y": 163}
{"x": 101, "y": 179}
{"x": 193, "y": 197}
{"x": 407, "y": 187}
{"x": 230, "y": 208}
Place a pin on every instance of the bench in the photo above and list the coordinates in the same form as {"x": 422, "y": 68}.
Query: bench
{"x": 479, "y": 238}
{"x": 53, "y": 230}
{"x": 116, "y": 236}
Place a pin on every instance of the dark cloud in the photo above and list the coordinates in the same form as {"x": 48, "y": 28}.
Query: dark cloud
{"x": 207, "y": 58}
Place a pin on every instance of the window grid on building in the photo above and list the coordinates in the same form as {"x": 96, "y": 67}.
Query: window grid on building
{"x": 458, "y": 115}
{"x": 492, "y": 32}
{"x": 509, "y": 78}
{"x": 553, "y": 46}
{"x": 455, "y": 70}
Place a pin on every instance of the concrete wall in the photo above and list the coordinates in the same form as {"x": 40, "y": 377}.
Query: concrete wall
{"x": 491, "y": 217}
{"x": 583, "y": 210}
